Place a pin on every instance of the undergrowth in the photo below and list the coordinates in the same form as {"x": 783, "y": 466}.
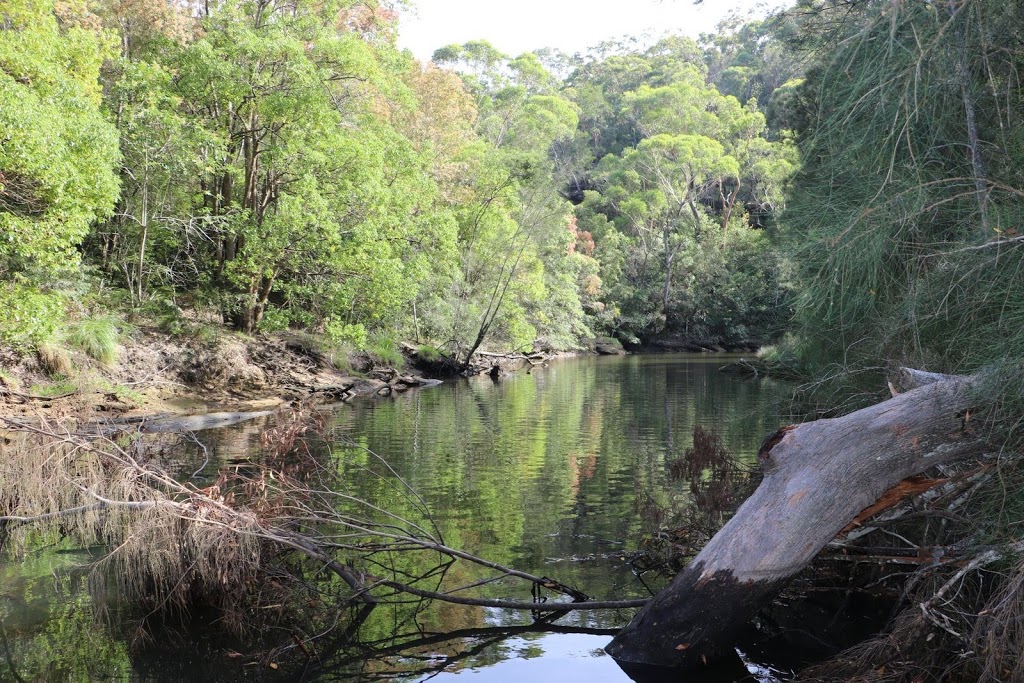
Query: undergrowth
{"x": 98, "y": 337}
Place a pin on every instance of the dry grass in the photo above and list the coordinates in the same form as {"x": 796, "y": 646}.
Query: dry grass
{"x": 54, "y": 359}
{"x": 998, "y": 635}
{"x": 172, "y": 546}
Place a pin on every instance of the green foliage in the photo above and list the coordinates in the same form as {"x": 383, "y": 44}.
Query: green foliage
{"x": 913, "y": 258}
{"x": 517, "y": 279}
{"x": 8, "y": 380}
{"x": 274, "y": 320}
{"x": 288, "y": 167}
{"x": 740, "y": 293}
{"x": 58, "y": 157}
{"x": 750, "y": 59}
{"x": 700, "y": 158}
{"x": 29, "y": 315}
{"x": 97, "y": 336}
{"x": 384, "y": 351}
{"x": 57, "y": 160}
{"x": 337, "y": 332}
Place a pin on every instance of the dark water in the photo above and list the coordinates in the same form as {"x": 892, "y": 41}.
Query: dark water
{"x": 560, "y": 472}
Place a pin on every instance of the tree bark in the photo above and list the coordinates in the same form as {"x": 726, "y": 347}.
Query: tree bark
{"x": 817, "y": 477}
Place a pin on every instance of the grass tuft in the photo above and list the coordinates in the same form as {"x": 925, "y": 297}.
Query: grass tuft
{"x": 384, "y": 351}
{"x": 98, "y": 337}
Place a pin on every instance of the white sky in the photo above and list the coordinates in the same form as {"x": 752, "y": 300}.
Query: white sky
{"x": 517, "y": 26}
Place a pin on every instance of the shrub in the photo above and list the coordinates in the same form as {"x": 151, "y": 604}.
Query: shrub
{"x": 274, "y": 320}
{"x": 338, "y": 332}
{"x": 28, "y": 317}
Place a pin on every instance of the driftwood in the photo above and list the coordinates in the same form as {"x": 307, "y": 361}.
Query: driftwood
{"x": 196, "y": 423}
{"x": 817, "y": 477}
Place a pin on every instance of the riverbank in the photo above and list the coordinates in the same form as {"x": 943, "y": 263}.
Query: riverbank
{"x": 687, "y": 344}
{"x": 216, "y": 369}
{"x": 158, "y": 373}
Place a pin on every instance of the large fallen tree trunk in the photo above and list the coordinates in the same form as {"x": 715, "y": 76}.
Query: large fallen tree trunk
{"x": 817, "y": 477}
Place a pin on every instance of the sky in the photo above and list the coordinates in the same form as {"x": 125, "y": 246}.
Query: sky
{"x": 517, "y": 26}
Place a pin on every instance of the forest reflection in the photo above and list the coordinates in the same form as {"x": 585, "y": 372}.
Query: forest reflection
{"x": 562, "y": 472}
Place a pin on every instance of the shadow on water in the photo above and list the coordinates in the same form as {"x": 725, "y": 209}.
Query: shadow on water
{"x": 731, "y": 670}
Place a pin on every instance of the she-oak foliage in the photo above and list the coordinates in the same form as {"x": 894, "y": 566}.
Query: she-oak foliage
{"x": 907, "y": 212}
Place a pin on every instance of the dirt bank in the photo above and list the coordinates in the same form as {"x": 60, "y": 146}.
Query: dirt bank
{"x": 155, "y": 373}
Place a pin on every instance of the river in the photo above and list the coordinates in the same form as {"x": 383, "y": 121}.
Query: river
{"x": 563, "y": 472}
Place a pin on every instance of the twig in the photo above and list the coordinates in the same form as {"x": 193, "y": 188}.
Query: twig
{"x": 511, "y": 604}
{"x": 36, "y": 397}
{"x": 986, "y": 558}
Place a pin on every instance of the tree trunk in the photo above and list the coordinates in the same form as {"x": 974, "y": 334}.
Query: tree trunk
{"x": 973, "y": 139}
{"x": 669, "y": 255}
{"x": 728, "y": 204}
{"x": 818, "y": 476}
{"x": 144, "y": 224}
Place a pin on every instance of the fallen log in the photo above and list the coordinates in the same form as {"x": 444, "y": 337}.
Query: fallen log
{"x": 196, "y": 423}
{"x": 817, "y": 477}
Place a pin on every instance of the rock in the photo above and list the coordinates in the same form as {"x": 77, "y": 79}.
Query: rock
{"x": 609, "y": 349}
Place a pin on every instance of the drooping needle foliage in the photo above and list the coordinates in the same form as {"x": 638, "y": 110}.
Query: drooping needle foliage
{"x": 906, "y": 214}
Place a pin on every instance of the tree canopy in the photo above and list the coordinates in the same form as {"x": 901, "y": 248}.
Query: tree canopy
{"x": 289, "y": 167}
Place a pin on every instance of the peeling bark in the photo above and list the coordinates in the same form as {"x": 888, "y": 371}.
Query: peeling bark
{"x": 818, "y": 477}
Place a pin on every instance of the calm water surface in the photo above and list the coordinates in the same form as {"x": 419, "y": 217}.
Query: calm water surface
{"x": 559, "y": 472}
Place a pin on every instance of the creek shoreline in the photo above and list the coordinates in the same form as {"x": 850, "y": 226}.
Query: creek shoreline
{"x": 158, "y": 375}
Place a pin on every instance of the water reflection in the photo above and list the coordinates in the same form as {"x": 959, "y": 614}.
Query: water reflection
{"x": 554, "y": 472}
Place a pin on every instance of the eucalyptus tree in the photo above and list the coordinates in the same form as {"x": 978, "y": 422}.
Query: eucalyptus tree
{"x": 57, "y": 158}
{"x": 657, "y": 190}
{"x": 517, "y": 281}
{"x": 306, "y": 194}
{"x": 702, "y": 158}
{"x": 750, "y": 58}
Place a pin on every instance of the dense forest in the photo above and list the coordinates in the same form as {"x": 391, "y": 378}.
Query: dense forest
{"x": 283, "y": 165}
{"x": 840, "y": 185}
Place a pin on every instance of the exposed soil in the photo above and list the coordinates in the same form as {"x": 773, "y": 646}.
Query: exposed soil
{"x": 156, "y": 373}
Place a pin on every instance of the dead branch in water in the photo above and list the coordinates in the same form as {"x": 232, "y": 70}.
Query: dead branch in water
{"x": 818, "y": 476}
{"x": 175, "y": 545}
